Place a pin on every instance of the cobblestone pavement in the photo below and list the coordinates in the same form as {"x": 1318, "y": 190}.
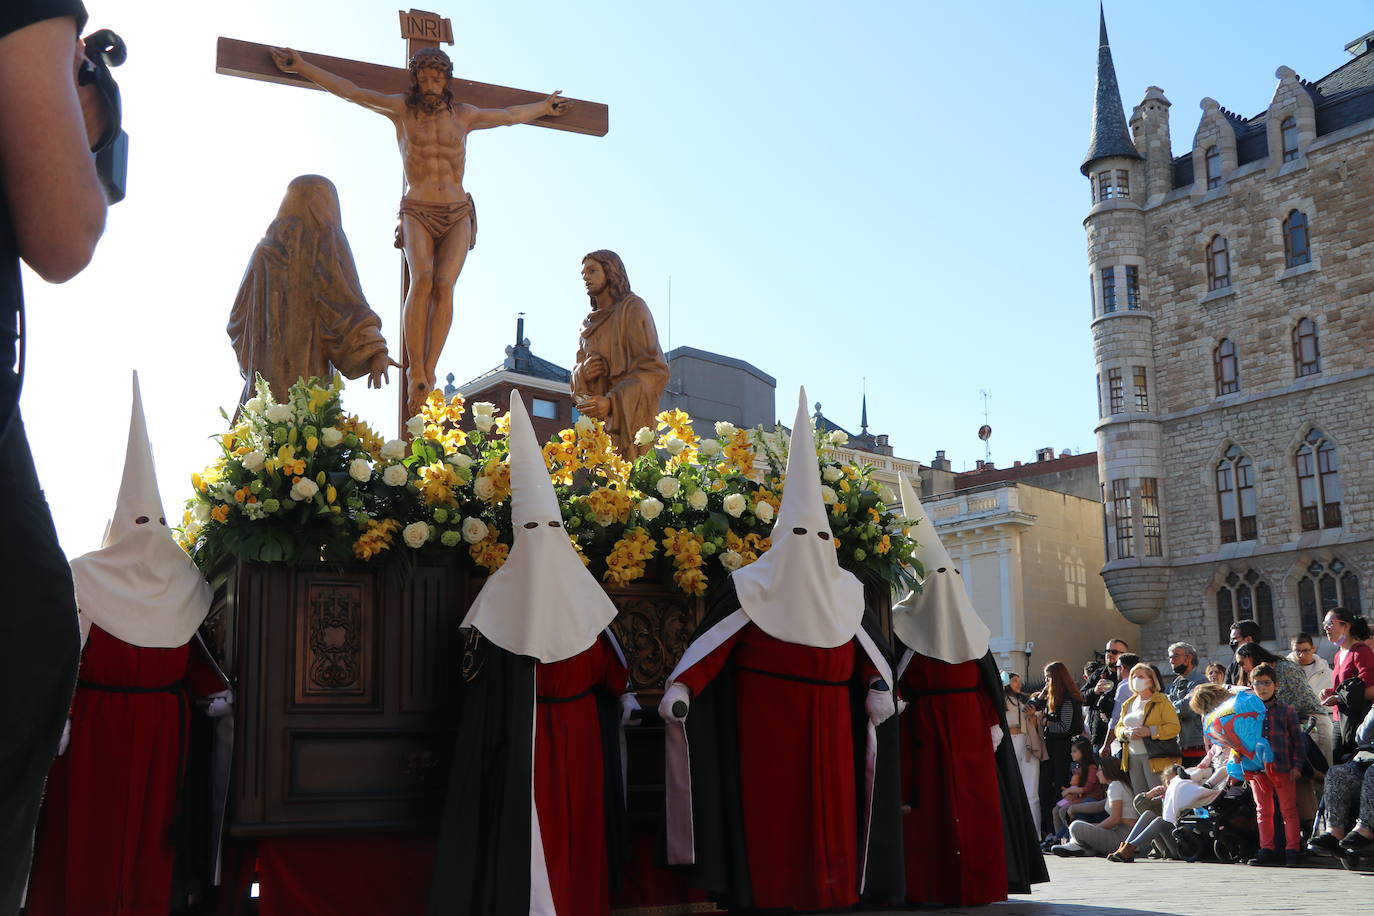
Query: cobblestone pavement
{"x": 1088, "y": 887}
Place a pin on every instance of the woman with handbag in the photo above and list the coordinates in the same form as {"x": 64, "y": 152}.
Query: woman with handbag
{"x": 1062, "y": 707}
{"x": 1029, "y": 745}
{"x": 1354, "y": 662}
{"x": 1148, "y": 730}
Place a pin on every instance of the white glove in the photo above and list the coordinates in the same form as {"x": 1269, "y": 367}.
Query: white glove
{"x": 996, "y": 737}
{"x": 221, "y": 704}
{"x": 880, "y": 706}
{"x": 676, "y": 693}
{"x": 66, "y": 737}
{"x": 629, "y": 708}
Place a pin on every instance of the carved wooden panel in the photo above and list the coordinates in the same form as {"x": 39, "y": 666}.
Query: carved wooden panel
{"x": 654, "y": 626}
{"x": 335, "y": 642}
{"x": 427, "y": 644}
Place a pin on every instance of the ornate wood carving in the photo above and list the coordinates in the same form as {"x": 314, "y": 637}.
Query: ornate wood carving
{"x": 653, "y": 627}
{"x": 335, "y": 639}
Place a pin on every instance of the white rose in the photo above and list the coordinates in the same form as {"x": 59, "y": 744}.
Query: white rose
{"x": 304, "y": 489}
{"x": 201, "y": 512}
{"x": 725, "y": 429}
{"x": 733, "y": 505}
{"x": 416, "y": 533}
{"x": 710, "y": 448}
{"x": 839, "y": 438}
{"x": 731, "y": 560}
{"x": 831, "y": 473}
{"x": 416, "y": 426}
{"x": 483, "y": 408}
{"x": 474, "y": 530}
{"x": 360, "y": 470}
{"x": 279, "y": 413}
{"x": 394, "y": 450}
{"x": 828, "y": 495}
{"x": 585, "y": 424}
{"x": 764, "y": 511}
{"x": 644, "y": 436}
{"x": 674, "y": 445}
{"x": 253, "y": 405}
{"x": 668, "y": 486}
{"x": 483, "y": 422}
{"x": 331, "y": 437}
{"x": 697, "y": 499}
{"x": 395, "y": 476}
{"x": 649, "y": 508}
{"x": 484, "y": 488}
{"x": 253, "y": 461}
{"x": 459, "y": 460}
{"x": 885, "y": 493}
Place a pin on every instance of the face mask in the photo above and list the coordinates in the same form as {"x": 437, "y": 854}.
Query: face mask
{"x": 1139, "y": 683}
{"x": 1339, "y": 640}
{"x": 1180, "y": 669}
{"x": 1234, "y": 643}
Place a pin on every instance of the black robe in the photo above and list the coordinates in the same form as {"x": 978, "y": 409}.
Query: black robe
{"x": 1025, "y": 862}
{"x": 722, "y": 867}
{"x": 482, "y": 867}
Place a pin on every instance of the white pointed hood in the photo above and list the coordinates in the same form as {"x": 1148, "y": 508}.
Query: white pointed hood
{"x": 939, "y": 621}
{"x": 797, "y": 591}
{"x": 140, "y": 586}
{"x": 542, "y": 602}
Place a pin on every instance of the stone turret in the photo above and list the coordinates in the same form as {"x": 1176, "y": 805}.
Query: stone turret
{"x": 1130, "y": 462}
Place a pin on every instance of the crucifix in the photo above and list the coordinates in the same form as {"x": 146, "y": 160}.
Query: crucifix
{"x": 433, "y": 114}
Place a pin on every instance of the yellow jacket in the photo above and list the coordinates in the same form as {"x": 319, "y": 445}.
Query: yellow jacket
{"x": 1160, "y": 718}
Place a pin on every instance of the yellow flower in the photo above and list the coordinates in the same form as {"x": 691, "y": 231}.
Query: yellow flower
{"x": 311, "y": 443}
{"x": 884, "y": 544}
{"x": 288, "y": 462}
{"x": 318, "y": 398}
{"x": 227, "y": 440}
{"x": 437, "y": 481}
{"x": 626, "y": 561}
{"x": 330, "y": 494}
{"x": 197, "y": 483}
{"x": 376, "y": 537}
{"x": 220, "y": 513}
{"x": 489, "y": 553}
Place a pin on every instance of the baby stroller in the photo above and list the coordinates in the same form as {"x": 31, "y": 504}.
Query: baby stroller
{"x": 1226, "y": 828}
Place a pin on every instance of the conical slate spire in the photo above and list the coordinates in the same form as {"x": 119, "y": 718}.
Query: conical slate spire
{"x": 1110, "y": 136}
{"x": 864, "y": 421}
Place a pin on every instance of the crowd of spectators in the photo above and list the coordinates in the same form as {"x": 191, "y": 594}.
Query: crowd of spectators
{"x": 1119, "y": 762}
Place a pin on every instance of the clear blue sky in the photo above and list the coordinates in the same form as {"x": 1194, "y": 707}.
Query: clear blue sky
{"x": 838, "y": 191}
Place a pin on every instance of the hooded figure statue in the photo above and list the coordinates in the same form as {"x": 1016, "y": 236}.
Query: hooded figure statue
{"x": 781, "y": 751}
{"x": 535, "y": 816}
{"x": 955, "y": 701}
{"x": 139, "y": 776}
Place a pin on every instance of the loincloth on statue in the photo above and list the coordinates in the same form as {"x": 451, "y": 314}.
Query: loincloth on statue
{"x": 437, "y": 218}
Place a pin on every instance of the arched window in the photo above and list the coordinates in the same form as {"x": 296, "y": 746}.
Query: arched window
{"x": 1306, "y": 357}
{"x": 1296, "y": 249}
{"x": 1246, "y": 597}
{"x": 1212, "y": 159}
{"x": 1319, "y": 482}
{"x": 1323, "y": 587}
{"x": 1236, "y": 497}
{"x": 1218, "y": 263}
{"x": 1226, "y": 368}
{"x": 1288, "y": 131}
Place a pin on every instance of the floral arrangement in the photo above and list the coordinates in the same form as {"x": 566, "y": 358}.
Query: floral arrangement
{"x": 303, "y": 480}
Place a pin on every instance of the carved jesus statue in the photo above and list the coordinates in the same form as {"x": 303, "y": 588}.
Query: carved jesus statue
{"x": 437, "y": 222}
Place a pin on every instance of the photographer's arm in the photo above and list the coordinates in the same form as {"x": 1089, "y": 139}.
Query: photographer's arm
{"x": 56, "y": 202}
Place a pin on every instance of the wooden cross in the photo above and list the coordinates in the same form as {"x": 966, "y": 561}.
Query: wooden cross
{"x": 420, "y": 29}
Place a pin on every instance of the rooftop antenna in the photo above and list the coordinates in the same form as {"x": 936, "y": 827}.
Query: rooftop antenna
{"x": 670, "y": 313}
{"x": 985, "y": 431}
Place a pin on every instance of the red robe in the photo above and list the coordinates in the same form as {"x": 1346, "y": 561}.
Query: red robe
{"x": 102, "y": 845}
{"x": 953, "y": 834}
{"x": 569, "y": 776}
{"x": 796, "y": 766}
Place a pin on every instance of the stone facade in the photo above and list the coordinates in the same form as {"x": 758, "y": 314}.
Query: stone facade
{"x": 1216, "y": 270}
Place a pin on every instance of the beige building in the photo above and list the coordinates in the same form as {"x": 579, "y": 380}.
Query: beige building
{"x": 1028, "y": 540}
{"x": 1232, "y": 318}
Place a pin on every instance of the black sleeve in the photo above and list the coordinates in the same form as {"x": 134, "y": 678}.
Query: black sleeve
{"x": 16, "y": 14}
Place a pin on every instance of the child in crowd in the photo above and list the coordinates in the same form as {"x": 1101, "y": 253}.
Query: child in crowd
{"x": 1100, "y": 839}
{"x": 1279, "y": 777}
{"x": 1216, "y": 674}
{"x": 1085, "y": 792}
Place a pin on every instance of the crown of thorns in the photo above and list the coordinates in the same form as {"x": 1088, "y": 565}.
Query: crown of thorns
{"x": 431, "y": 59}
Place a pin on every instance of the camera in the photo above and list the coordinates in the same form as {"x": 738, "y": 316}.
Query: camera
{"x": 105, "y": 49}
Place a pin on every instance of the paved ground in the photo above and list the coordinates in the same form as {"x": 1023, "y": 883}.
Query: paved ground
{"x": 1087, "y": 887}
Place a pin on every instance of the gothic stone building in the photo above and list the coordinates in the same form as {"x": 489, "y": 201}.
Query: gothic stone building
{"x": 1232, "y": 319}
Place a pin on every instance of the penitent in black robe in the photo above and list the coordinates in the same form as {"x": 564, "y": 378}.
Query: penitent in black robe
{"x": 483, "y": 865}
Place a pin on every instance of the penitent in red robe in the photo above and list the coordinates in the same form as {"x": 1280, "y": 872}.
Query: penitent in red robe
{"x": 102, "y": 845}
{"x": 796, "y": 766}
{"x": 570, "y": 776}
{"x": 955, "y": 847}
